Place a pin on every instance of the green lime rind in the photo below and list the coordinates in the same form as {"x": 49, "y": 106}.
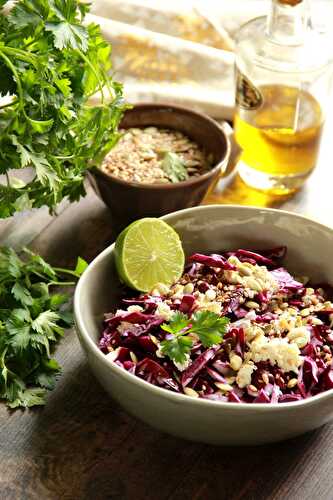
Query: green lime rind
{"x": 147, "y": 252}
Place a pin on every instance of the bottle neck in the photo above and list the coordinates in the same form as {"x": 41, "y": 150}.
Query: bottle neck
{"x": 288, "y": 21}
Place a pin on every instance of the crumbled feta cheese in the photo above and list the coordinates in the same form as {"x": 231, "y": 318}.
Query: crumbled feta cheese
{"x": 203, "y": 303}
{"x": 132, "y": 309}
{"x": 120, "y": 312}
{"x": 210, "y": 294}
{"x": 276, "y": 351}
{"x": 244, "y": 375}
{"x": 124, "y": 326}
{"x": 164, "y": 310}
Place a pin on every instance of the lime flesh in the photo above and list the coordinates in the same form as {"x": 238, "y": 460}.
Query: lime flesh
{"x": 147, "y": 252}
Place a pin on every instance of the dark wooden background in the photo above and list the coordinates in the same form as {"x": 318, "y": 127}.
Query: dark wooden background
{"x": 82, "y": 445}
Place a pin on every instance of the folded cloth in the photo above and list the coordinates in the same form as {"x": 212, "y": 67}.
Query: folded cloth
{"x": 180, "y": 51}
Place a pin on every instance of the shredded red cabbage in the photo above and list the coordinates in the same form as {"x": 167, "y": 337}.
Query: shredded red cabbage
{"x": 278, "y": 307}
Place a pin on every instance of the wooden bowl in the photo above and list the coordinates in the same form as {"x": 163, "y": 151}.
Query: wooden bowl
{"x": 129, "y": 201}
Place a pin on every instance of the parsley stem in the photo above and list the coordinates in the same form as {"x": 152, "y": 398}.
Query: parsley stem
{"x": 17, "y": 78}
{"x": 19, "y": 54}
{"x": 65, "y": 271}
{"x": 86, "y": 60}
{"x": 62, "y": 283}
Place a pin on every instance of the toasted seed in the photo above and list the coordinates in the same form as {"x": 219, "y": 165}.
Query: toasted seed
{"x": 252, "y": 305}
{"x": 133, "y": 357}
{"x": 254, "y": 284}
{"x": 292, "y": 383}
{"x": 154, "y": 339}
{"x": 188, "y": 288}
{"x": 245, "y": 270}
{"x": 230, "y": 380}
{"x": 138, "y": 156}
{"x": 224, "y": 387}
{"x": 191, "y": 392}
{"x": 235, "y": 362}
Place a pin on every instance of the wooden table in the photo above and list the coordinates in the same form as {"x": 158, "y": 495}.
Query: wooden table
{"x": 82, "y": 445}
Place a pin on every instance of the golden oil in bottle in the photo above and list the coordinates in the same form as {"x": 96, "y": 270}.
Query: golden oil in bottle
{"x": 283, "y": 75}
{"x": 282, "y": 136}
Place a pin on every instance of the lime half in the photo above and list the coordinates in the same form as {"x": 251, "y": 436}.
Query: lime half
{"x": 147, "y": 252}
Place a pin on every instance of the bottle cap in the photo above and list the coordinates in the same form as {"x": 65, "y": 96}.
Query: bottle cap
{"x": 290, "y": 2}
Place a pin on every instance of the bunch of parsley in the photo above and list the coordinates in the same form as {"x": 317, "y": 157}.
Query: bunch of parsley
{"x": 32, "y": 319}
{"x": 50, "y": 65}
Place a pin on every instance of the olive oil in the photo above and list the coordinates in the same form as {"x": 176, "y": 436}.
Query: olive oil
{"x": 282, "y": 137}
{"x": 283, "y": 74}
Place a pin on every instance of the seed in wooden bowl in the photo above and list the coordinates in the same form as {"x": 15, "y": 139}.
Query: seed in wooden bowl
{"x": 153, "y": 155}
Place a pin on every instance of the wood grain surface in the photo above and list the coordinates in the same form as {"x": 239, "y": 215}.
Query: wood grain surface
{"x": 82, "y": 445}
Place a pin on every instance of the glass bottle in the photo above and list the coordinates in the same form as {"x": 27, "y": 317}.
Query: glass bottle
{"x": 283, "y": 75}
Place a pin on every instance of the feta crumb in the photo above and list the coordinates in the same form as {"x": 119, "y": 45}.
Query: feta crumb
{"x": 204, "y": 304}
{"x": 164, "y": 310}
{"x": 244, "y": 375}
{"x": 132, "y": 309}
{"x": 210, "y": 294}
{"x": 124, "y": 326}
{"x": 276, "y": 351}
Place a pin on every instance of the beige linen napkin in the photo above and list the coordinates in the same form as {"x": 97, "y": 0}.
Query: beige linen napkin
{"x": 180, "y": 51}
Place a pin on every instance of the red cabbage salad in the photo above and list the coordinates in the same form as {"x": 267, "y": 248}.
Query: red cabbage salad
{"x": 237, "y": 327}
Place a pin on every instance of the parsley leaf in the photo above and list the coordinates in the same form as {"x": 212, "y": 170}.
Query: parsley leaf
{"x": 177, "y": 348}
{"x": 32, "y": 320}
{"x": 174, "y": 167}
{"x": 178, "y": 322}
{"x": 208, "y": 326}
{"x": 68, "y": 35}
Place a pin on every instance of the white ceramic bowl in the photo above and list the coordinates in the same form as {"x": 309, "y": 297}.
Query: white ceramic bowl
{"x": 210, "y": 229}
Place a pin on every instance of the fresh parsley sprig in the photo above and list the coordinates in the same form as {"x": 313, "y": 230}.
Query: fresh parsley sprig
{"x": 32, "y": 320}
{"x": 174, "y": 167}
{"x": 208, "y": 326}
{"x": 51, "y": 64}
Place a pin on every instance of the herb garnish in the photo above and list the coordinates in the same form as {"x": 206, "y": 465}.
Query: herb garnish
{"x": 32, "y": 319}
{"x": 50, "y": 65}
{"x": 208, "y": 326}
{"x": 174, "y": 167}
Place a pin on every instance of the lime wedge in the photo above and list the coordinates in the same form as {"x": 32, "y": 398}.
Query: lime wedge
{"x": 147, "y": 252}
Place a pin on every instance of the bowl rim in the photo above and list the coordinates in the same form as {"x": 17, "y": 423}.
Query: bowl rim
{"x": 179, "y": 398}
{"x": 192, "y": 180}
